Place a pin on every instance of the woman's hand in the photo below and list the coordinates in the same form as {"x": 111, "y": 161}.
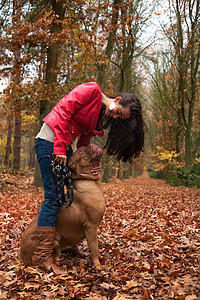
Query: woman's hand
{"x": 61, "y": 159}
{"x": 96, "y": 171}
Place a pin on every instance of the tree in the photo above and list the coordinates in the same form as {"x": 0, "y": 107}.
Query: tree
{"x": 53, "y": 52}
{"x": 175, "y": 80}
{"x": 134, "y": 17}
{"x": 110, "y": 42}
{"x": 16, "y": 80}
{"x": 184, "y": 34}
{"x": 13, "y": 47}
{"x": 7, "y": 161}
{"x": 165, "y": 106}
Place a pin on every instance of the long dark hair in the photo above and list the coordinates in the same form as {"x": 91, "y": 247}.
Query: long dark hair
{"x": 125, "y": 139}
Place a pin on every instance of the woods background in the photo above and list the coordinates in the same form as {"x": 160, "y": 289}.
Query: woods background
{"x": 143, "y": 47}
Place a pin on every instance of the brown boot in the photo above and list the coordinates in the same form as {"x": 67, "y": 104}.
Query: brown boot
{"x": 43, "y": 250}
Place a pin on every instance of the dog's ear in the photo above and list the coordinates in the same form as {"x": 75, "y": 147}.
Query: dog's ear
{"x": 73, "y": 168}
{"x": 72, "y": 165}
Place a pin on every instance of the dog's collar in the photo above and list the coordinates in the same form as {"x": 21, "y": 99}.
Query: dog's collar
{"x": 87, "y": 177}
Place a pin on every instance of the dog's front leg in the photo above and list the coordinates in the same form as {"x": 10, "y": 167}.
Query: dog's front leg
{"x": 91, "y": 237}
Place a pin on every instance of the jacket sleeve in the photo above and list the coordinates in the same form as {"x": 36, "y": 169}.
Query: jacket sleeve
{"x": 79, "y": 97}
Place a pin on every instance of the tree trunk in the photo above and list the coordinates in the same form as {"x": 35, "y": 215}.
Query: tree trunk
{"x": 106, "y": 174}
{"x": 121, "y": 170}
{"x": 8, "y": 143}
{"x": 17, "y": 141}
{"x": 194, "y": 54}
{"x": 188, "y": 63}
{"x": 53, "y": 52}
{"x": 31, "y": 153}
{"x": 101, "y": 74}
{"x": 16, "y": 80}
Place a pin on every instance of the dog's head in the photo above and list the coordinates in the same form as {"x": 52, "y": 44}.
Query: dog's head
{"x": 83, "y": 160}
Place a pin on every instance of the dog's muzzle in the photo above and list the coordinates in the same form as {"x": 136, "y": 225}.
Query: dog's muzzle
{"x": 95, "y": 151}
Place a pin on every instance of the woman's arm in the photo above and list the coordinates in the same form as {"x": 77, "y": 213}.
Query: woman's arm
{"x": 66, "y": 108}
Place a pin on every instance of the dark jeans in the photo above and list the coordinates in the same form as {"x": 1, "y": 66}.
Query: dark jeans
{"x": 50, "y": 206}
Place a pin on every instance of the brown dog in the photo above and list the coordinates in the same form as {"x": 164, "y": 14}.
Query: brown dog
{"x": 82, "y": 218}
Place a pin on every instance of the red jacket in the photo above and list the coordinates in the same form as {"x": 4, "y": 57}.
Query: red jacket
{"x": 76, "y": 115}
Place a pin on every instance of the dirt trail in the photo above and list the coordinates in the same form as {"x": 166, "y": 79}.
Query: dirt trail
{"x": 143, "y": 180}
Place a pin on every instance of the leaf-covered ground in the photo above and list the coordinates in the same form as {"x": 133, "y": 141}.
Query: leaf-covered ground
{"x": 149, "y": 242}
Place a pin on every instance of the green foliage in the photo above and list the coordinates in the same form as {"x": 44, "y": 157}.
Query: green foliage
{"x": 169, "y": 166}
{"x": 189, "y": 177}
{"x": 157, "y": 174}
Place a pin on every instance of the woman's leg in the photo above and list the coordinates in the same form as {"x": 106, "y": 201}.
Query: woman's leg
{"x": 50, "y": 206}
{"x": 48, "y": 213}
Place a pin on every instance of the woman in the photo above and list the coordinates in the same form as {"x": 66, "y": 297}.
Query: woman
{"x": 82, "y": 113}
